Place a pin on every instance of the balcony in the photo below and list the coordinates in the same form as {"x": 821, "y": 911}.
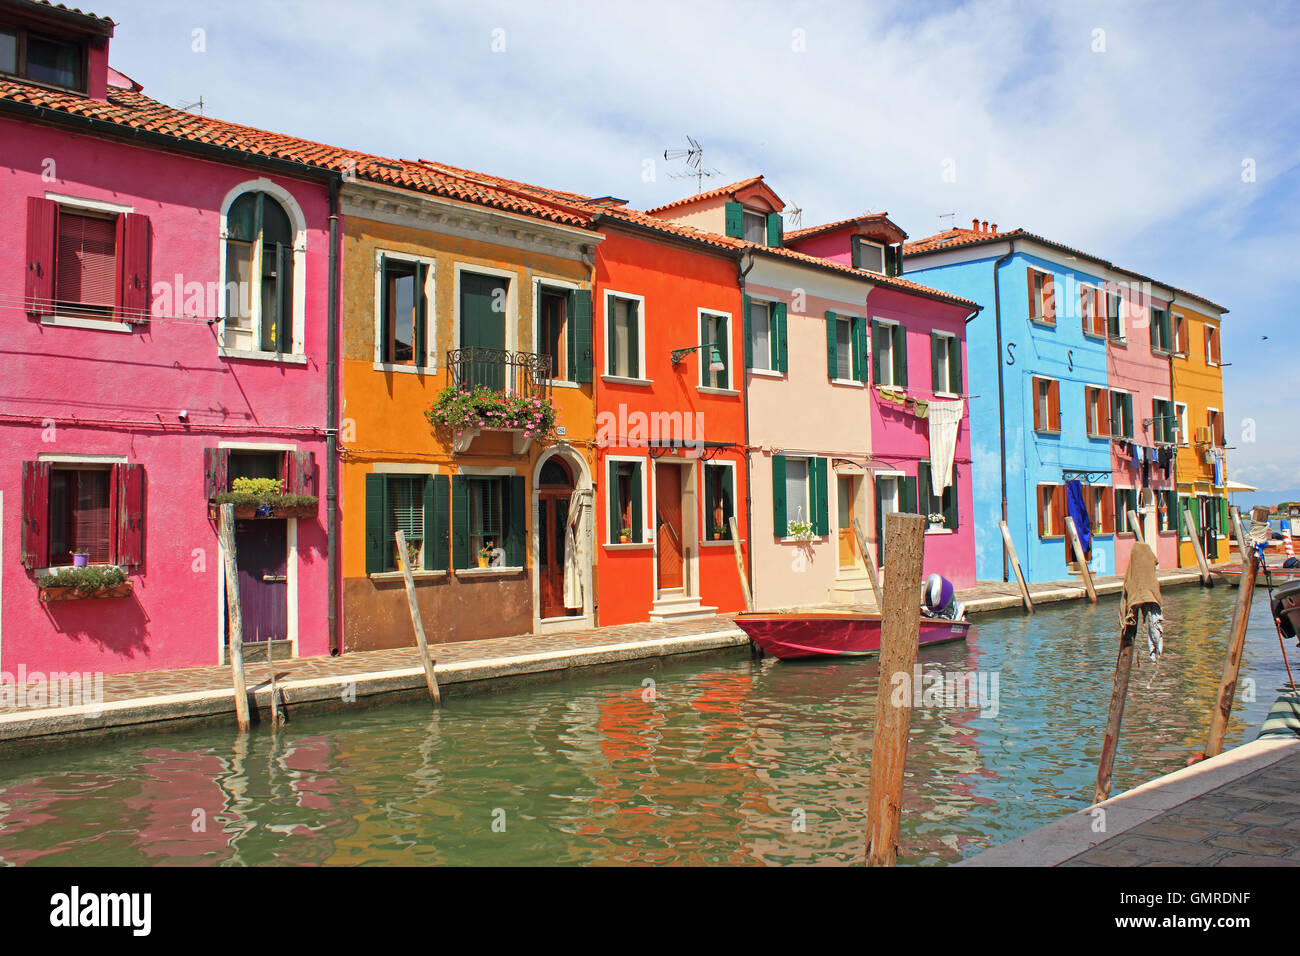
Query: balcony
{"x": 496, "y": 390}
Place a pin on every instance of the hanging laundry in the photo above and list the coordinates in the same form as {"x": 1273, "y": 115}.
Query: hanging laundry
{"x": 1147, "y": 456}
{"x": 893, "y": 395}
{"x": 922, "y": 409}
{"x": 1166, "y": 456}
{"x": 945, "y": 417}
{"x": 1218, "y": 472}
{"x": 1136, "y": 457}
{"x": 1079, "y": 512}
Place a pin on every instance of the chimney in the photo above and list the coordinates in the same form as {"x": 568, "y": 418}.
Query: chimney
{"x": 974, "y": 225}
{"x": 995, "y": 229}
{"x": 984, "y": 227}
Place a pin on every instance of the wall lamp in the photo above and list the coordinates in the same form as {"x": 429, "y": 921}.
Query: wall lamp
{"x": 715, "y": 357}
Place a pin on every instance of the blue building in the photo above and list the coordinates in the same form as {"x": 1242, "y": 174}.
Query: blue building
{"x": 1042, "y": 412}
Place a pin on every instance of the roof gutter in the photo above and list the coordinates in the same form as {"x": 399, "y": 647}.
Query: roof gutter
{"x": 332, "y": 421}
{"x": 1002, "y": 395}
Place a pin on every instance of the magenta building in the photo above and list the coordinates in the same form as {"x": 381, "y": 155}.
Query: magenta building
{"x": 167, "y": 298}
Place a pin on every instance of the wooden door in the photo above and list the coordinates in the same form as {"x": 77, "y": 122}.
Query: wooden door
{"x": 668, "y": 525}
{"x": 844, "y": 488}
{"x": 260, "y": 556}
{"x": 1210, "y": 528}
{"x": 552, "y": 520}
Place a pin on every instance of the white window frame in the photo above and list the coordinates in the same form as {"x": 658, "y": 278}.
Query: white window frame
{"x": 890, "y": 352}
{"x": 768, "y": 368}
{"x": 1089, "y": 431}
{"x": 606, "y": 374}
{"x": 1180, "y": 413}
{"x": 540, "y": 282}
{"x": 745, "y": 213}
{"x": 862, "y": 240}
{"x": 704, "y": 526}
{"x": 1173, "y": 411}
{"x": 896, "y": 477}
{"x": 647, "y": 533}
{"x": 1122, "y": 392}
{"x": 1122, "y": 337}
{"x": 1213, "y": 437}
{"x": 844, "y": 379}
{"x": 1090, "y": 288}
{"x": 1212, "y": 332}
{"x": 731, "y": 389}
{"x": 430, "y": 335}
{"x": 1041, "y": 318}
{"x": 806, "y": 510}
{"x": 1174, "y": 319}
{"x": 296, "y": 353}
{"x": 952, "y": 346}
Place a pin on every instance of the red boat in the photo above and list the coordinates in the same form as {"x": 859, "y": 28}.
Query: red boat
{"x": 789, "y": 636}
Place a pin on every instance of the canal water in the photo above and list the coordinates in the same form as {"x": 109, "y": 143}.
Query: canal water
{"x": 721, "y": 760}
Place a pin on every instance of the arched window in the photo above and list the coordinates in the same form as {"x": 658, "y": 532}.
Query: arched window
{"x": 259, "y": 254}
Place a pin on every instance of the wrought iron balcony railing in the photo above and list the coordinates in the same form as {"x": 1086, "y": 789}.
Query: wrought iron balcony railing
{"x": 519, "y": 373}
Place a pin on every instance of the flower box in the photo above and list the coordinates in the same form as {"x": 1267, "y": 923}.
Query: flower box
{"x": 50, "y": 595}
{"x": 265, "y": 510}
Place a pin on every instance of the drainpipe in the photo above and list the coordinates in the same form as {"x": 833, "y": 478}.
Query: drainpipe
{"x": 588, "y": 256}
{"x": 332, "y": 422}
{"x": 1002, "y": 398}
{"x": 744, "y": 399}
{"x": 1173, "y": 345}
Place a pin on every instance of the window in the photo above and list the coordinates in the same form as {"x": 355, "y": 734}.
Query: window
{"x": 760, "y": 337}
{"x": 85, "y": 270}
{"x": 800, "y": 492}
{"x": 1180, "y": 414}
{"x": 755, "y": 228}
{"x": 714, "y": 335}
{"x": 1161, "y": 332}
{"x": 868, "y": 256}
{"x": 417, "y": 506}
{"x": 1214, "y": 418}
{"x": 1180, "y": 335}
{"x": 1125, "y": 501}
{"x": 1051, "y": 510}
{"x": 259, "y": 261}
{"x": 945, "y": 363}
{"x": 846, "y": 347}
{"x": 1094, "y": 323}
{"x": 1212, "y": 356}
{"x": 486, "y": 518}
{"x": 1101, "y": 508}
{"x": 944, "y": 503}
{"x": 1114, "y": 324}
{"x": 719, "y": 498}
{"x": 488, "y": 515}
{"x": 626, "y": 501}
{"x": 843, "y": 348}
{"x": 1163, "y": 421}
{"x": 623, "y": 350}
{"x": 797, "y": 503}
{"x": 1096, "y": 411}
{"x": 1167, "y": 516}
{"x": 41, "y": 59}
{"x": 1042, "y": 298}
{"x": 1047, "y": 404}
{"x": 403, "y": 312}
{"x": 763, "y": 229}
{"x": 889, "y": 354}
{"x": 553, "y": 330}
{"x": 74, "y": 507}
{"x": 1121, "y": 415}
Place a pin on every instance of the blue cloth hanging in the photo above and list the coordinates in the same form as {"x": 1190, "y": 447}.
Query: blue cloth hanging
{"x": 1079, "y": 512}
{"x": 1137, "y": 456}
{"x": 1218, "y": 472}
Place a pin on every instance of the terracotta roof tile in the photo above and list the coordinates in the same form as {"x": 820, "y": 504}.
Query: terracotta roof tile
{"x": 831, "y": 226}
{"x": 708, "y": 194}
{"x": 62, "y": 8}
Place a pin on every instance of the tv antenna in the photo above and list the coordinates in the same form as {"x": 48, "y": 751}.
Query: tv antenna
{"x": 796, "y": 215}
{"x": 951, "y": 217}
{"x": 190, "y": 106}
{"x": 694, "y": 156}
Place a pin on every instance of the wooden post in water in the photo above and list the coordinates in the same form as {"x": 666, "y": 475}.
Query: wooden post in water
{"x": 1232, "y": 663}
{"x": 900, "y": 631}
{"x": 1118, "y": 694}
{"x": 235, "y": 633}
{"x": 1081, "y": 558}
{"x": 1134, "y": 524}
{"x": 429, "y": 679}
{"x": 1241, "y": 537}
{"x": 740, "y": 565}
{"x": 1196, "y": 543}
{"x": 1015, "y": 566}
{"x": 869, "y": 560}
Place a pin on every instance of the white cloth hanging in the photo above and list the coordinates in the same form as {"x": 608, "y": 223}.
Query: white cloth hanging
{"x": 573, "y": 553}
{"x": 945, "y": 417}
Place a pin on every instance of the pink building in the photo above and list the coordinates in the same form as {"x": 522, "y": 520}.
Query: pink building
{"x": 167, "y": 299}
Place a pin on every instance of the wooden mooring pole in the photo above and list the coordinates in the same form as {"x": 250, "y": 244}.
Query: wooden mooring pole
{"x": 870, "y": 560}
{"x": 900, "y": 631}
{"x": 1081, "y": 558}
{"x": 740, "y": 564}
{"x": 1134, "y": 524}
{"x": 1241, "y": 537}
{"x": 1232, "y": 663}
{"x": 429, "y": 679}
{"x": 1196, "y": 543}
{"x": 1015, "y": 566}
{"x": 1115, "y": 717}
{"x": 235, "y": 634}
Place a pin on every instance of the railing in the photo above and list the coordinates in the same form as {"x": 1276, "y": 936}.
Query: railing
{"x": 520, "y": 373}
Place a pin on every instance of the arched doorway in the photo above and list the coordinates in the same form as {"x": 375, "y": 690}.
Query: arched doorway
{"x": 554, "y": 492}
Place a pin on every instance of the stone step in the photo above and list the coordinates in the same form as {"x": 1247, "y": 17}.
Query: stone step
{"x": 679, "y": 611}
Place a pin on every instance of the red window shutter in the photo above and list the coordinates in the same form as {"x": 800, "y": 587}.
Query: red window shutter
{"x": 136, "y": 246}
{"x": 36, "y": 514}
{"x": 301, "y": 477}
{"x": 42, "y": 223}
{"x": 216, "y": 471}
{"x": 129, "y": 481}
{"x": 86, "y": 270}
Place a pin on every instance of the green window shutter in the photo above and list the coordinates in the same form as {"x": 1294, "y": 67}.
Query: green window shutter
{"x": 421, "y": 317}
{"x": 376, "y": 509}
{"x": 894, "y": 256}
{"x": 878, "y": 334}
{"x": 880, "y": 525}
{"x": 950, "y": 502}
{"x": 780, "y": 358}
{"x": 747, "y": 331}
{"x": 856, "y": 246}
{"x": 907, "y": 492}
{"x": 900, "y": 356}
{"x": 923, "y": 490}
{"x": 1225, "y": 519}
{"x": 858, "y": 337}
{"x": 460, "y": 522}
{"x": 634, "y": 340}
{"x": 821, "y": 495}
{"x": 735, "y": 215}
{"x": 637, "y": 516}
{"x": 1178, "y": 510}
{"x": 954, "y": 366}
{"x": 385, "y": 352}
{"x": 779, "y": 520}
{"x": 581, "y": 349}
{"x": 615, "y": 505}
{"x": 516, "y": 521}
{"x": 437, "y": 527}
{"x": 937, "y": 342}
{"x": 832, "y": 354}
{"x": 1196, "y": 515}
{"x": 775, "y": 229}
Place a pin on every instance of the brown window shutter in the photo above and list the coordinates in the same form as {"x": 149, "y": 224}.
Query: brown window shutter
{"x": 216, "y": 471}
{"x": 1058, "y": 509}
{"x": 1037, "y": 387}
{"x": 1044, "y": 495}
{"x": 1107, "y": 509}
{"x": 1049, "y": 297}
{"x": 1054, "y": 405}
{"x": 301, "y": 477}
{"x": 1033, "y": 296}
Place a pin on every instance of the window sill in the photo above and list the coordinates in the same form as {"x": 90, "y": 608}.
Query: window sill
{"x": 97, "y": 325}
{"x": 1095, "y": 336}
{"x": 947, "y": 395}
{"x": 766, "y": 372}
{"x": 852, "y": 383}
{"x": 563, "y": 383}
{"x": 630, "y": 546}
{"x": 1048, "y": 431}
{"x": 1052, "y": 537}
{"x": 487, "y": 572}
{"x": 406, "y": 369}
{"x": 1042, "y": 323}
{"x": 1118, "y": 341}
{"x": 381, "y": 577}
{"x": 252, "y": 355}
{"x": 815, "y": 539}
{"x": 710, "y": 390}
{"x": 877, "y": 386}
{"x": 716, "y": 543}
{"x": 55, "y": 569}
{"x": 623, "y": 380}
{"x": 940, "y": 531}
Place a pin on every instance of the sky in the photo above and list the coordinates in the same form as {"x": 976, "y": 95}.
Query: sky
{"x": 1162, "y": 136}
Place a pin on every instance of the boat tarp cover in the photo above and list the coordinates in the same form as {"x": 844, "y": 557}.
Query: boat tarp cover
{"x": 1284, "y": 718}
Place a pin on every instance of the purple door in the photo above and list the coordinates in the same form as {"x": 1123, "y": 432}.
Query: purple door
{"x": 260, "y": 550}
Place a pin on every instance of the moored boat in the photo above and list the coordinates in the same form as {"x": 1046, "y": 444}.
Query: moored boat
{"x": 1286, "y": 608}
{"x": 1232, "y": 574}
{"x": 793, "y": 635}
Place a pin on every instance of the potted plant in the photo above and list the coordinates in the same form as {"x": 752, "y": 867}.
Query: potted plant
{"x": 625, "y": 536}
{"x": 80, "y": 559}
{"x": 799, "y": 529}
{"x": 936, "y": 521}
{"x": 75, "y": 584}
{"x": 485, "y": 555}
{"x": 264, "y": 498}
{"x": 718, "y": 532}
